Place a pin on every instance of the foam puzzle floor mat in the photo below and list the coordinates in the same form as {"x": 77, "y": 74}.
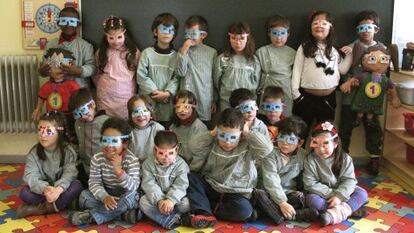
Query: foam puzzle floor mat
{"x": 390, "y": 209}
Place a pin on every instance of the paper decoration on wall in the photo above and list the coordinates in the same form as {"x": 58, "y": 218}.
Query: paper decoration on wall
{"x": 39, "y": 21}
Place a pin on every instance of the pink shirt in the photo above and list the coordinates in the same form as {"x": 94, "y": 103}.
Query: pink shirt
{"x": 116, "y": 85}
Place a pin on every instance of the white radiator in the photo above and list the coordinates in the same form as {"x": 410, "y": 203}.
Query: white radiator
{"x": 19, "y": 84}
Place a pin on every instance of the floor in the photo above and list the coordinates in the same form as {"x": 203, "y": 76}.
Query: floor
{"x": 390, "y": 209}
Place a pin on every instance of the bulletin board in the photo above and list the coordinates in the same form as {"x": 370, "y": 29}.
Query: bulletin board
{"x": 39, "y": 21}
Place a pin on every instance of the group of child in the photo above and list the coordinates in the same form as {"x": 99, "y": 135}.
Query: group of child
{"x": 249, "y": 163}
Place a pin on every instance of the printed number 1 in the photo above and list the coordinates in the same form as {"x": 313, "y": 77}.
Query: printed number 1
{"x": 373, "y": 89}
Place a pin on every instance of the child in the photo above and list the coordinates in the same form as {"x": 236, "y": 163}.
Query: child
{"x": 237, "y": 67}
{"x": 272, "y": 106}
{"x": 316, "y": 71}
{"x": 329, "y": 178}
{"x": 281, "y": 170}
{"x": 69, "y": 22}
{"x": 88, "y": 126}
{"x": 117, "y": 61}
{"x": 276, "y": 60}
{"x": 57, "y": 91}
{"x": 165, "y": 182}
{"x": 156, "y": 69}
{"x": 113, "y": 180}
{"x": 245, "y": 101}
{"x": 195, "y": 66}
{"x": 367, "y": 24}
{"x": 185, "y": 122}
{"x": 50, "y": 171}
{"x": 225, "y": 160}
{"x": 140, "y": 110}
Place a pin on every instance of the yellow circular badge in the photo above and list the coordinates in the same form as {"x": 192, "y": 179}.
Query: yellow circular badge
{"x": 55, "y": 100}
{"x": 373, "y": 90}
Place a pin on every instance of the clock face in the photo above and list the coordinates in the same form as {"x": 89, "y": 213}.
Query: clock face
{"x": 47, "y": 17}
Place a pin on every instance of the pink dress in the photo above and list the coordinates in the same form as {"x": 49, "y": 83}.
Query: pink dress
{"x": 116, "y": 85}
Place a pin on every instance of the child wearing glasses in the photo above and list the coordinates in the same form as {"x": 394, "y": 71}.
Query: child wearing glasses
{"x": 84, "y": 66}
{"x": 165, "y": 182}
{"x": 113, "y": 181}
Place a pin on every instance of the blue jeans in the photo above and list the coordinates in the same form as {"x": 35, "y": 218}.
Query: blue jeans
{"x": 226, "y": 206}
{"x": 127, "y": 201}
{"x": 166, "y": 221}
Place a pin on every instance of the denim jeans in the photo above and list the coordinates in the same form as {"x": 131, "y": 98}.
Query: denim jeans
{"x": 166, "y": 221}
{"x": 127, "y": 201}
{"x": 65, "y": 198}
{"x": 225, "y": 206}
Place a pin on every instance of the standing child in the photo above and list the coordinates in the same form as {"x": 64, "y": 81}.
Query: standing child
{"x": 165, "y": 182}
{"x": 367, "y": 24}
{"x": 156, "y": 69}
{"x": 317, "y": 70}
{"x": 144, "y": 129}
{"x": 225, "y": 160}
{"x": 50, "y": 171}
{"x": 281, "y": 171}
{"x": 237, "y": 67}
{"x": 276, "y": 60}
{"x": 272, "y": 106}
{"x": 185, "y": 122}
{"x": 88, "y": 126}
{"x": 245, "y": 101}
{"x": 117, "y": 61}
{"x": 329, "y": 178}
{"x": 113, "y": 180}
{"x": 57, "y": 91}
{"x": 84, "y": 68}
{"x": 195, "y": 66}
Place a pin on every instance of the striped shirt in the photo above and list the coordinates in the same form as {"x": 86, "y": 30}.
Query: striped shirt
{"x": 102, "y": 175}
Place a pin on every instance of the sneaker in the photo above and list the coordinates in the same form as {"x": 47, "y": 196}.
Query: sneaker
{"x": 307, "y": 215}
{"x": 325, "y": 219}
{"x": 130, "y": 216}
{"x": 359, "y": 213}
{"x": 198, "y": 221}
{"x": 81, "y": 217}
{"x": 373, "y": 166}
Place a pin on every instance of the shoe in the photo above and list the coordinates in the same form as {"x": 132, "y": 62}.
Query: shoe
{"x": 373, "y": 166}
{"x": 359, "y": 213}
{"x": 325, "y": 219}
{"x": 25, "y": 210}
{"x": 198, "y": 221}
{"x": 81, "y": 217}
{"x": 307, "y": 215}
{"x": 132, "y": 216}
{"x": 262, "y": 201}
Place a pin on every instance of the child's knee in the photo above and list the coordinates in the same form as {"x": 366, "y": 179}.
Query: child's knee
{"x": 315, "y": 201}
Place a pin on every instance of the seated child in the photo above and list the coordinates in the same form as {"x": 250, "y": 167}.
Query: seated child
{"x": 329, "y": 178}
{"x": 113, "y": 180}
{"x": 57, "y": 91}
{"x": 50, "y": 171}
{"x": 185, "y": 122}
{"x": 140, "y": 112}
{"x": 281, "y": 170}
{"x": 88, "y": 124}
{"x": 165, "y": 182}
{"x": 224, "y": 172}
{"x": 272, "y": 106}
{"x": 245, "y": 101}
{"x": 276, "y": 60}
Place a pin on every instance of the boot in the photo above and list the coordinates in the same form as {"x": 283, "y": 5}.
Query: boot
{"x": 81, "y": 217}
{"x": 132, "y": 216}
{"x": 262, "y": 201}
{"x": 25, "y": 210}
{"x": 359, "y": 213}
{"x": 336, "y": 214}
{"x": 373, "y": 168}
{"x": 306, "y": 215}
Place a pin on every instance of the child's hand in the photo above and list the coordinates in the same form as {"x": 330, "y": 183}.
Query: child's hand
{"x": 396, "y": 102}
{"x": 214, "y": 132}
{"x": 246, "y": 129}
{"x": 45, "y": 69}
{"x": 116, "y": 161}
{"x": 213, "y": 108}
{"x": 71, "y": 69}
{"x": 287, "y": 210}
{"x": 346, "y": 49}
{"x": 187, "y": 44}
{"x": 36, "y": 115}
{"x": 111, "y": 202}
{"x": 165, "y": 206}
{"x": 160, "y": 96}
{"x": 54, "y": 194}
{"x": 333, "y": 201}
{"x": 347, "y": 86}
